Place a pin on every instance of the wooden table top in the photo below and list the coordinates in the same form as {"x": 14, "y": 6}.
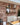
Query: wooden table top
{"x": 14, "y": 22}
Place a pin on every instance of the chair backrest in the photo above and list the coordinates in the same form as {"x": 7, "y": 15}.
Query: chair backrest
{"x": 1, "y": 22}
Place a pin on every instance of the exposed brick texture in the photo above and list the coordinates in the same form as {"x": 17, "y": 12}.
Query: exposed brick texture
{"x": 3, "y": 14}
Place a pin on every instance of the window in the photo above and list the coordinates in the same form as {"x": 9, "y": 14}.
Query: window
{"x": 14, "y": 6}
{"x": 4, "y": 23}
{"x": 7, "y": 10}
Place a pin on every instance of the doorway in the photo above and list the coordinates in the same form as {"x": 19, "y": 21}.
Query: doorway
{"x": 1, "y": 22}
{"x": 18, "y": 12}
{"x": 19, "y": 15}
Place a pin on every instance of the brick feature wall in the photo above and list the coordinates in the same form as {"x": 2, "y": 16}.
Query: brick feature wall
{"x": 3, "y": 14}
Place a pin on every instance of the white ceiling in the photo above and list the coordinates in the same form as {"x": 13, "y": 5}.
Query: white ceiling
{"x": 11, "y": 0}
{"x": 17, "y": 1}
